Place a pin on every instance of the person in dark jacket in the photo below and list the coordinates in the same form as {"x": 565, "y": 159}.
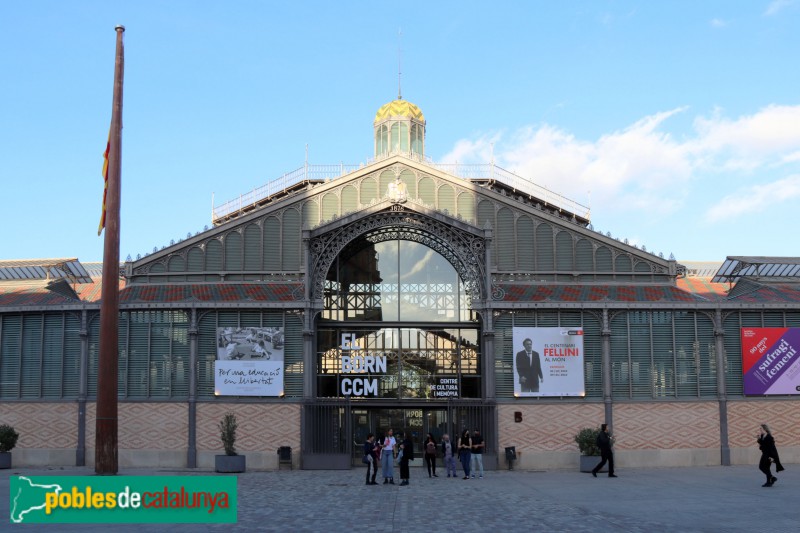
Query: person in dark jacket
{"x": 369, "y": 456}
{"x": 603, "y": 442}
{"x": 430, "y": 455}
{"x": 465, "y": 452}
{"x": 769, "y": 455}
{"x": 407, "y": 447}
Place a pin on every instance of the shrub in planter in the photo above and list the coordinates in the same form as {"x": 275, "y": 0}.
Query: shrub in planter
{"x": 8, "y": 440}
{"x": 231, "y": 461}
{"x": 586, "y": 439}
{"x": 227, "y": 433}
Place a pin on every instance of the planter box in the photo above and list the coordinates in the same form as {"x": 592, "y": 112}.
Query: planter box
{"x": 588, "y": 462}
{"x": 5, "y": 460}
{"x": 229, "y": 464}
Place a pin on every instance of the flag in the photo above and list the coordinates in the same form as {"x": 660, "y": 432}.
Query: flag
{"x": 105, "y": 185}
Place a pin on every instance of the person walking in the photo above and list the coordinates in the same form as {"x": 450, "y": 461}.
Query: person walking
{"x": 387, "y": 457}
{"x": 369, "y": 457}
{"x": 449, "y": 455}
{"x": 477, "y": 453}
{"x": 604, "y": 443}
{"x": 465, "y": 452}
{"x": 430, "y": 455}
{"x": 769, "y": 455}
{"x": 407, "y": 449}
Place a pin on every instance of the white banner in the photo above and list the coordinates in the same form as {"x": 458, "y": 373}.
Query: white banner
{"x": 248, "y": 378}
{"x": 249, "y": 362}
{"x": 548, "y": 361}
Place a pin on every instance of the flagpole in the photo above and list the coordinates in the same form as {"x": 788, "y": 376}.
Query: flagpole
{"x": 106, "y": 446}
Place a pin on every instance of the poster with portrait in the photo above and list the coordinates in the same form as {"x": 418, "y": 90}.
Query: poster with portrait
{"x": 548, "y": 361}
{"x": 249, "y": 362}
{"x": 770, "y": 362}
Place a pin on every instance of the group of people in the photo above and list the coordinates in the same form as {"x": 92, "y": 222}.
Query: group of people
{"x": 469, "y": 451}
{"x": 389, "y": 450}
{"x": 385, "y": 453}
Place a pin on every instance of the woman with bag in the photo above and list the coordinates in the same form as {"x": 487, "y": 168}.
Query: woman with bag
{"x": 769, "y": 455}
{"x": 430, "y": 455}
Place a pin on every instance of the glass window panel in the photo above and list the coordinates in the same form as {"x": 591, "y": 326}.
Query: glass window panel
{"x": 412, "y": 359}
{"x": 393, "y": 281}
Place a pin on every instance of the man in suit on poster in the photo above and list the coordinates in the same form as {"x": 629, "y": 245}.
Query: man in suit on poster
{"x": 529, "y": 368}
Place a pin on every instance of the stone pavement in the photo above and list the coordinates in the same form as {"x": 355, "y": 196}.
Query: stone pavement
{"x": 702, "y": 499}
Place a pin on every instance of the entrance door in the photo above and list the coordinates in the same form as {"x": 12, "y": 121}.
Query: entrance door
{"x": 417, "y": 422}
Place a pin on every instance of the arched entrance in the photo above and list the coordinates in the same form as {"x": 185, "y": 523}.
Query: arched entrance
{"x": 397, "y": 343}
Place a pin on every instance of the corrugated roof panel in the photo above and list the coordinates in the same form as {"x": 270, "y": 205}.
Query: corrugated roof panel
{"x": 735, "y": 268}
{"x": 44, "y": 269}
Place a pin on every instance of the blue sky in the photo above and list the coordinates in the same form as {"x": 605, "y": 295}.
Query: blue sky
{"x": 677, "y": 122}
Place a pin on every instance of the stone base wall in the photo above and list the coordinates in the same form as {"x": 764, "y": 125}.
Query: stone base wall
{"x": 48, "y": 432}
{"x": 744, "y": 424}
{"x": 545, "y": 438}
{"x": 153, "y": 434}
{"x": 263, "y": 428}
{"x": 648, "y": 434}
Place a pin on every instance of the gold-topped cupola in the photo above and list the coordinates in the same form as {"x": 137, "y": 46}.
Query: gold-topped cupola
{"x": 399, "y": 129}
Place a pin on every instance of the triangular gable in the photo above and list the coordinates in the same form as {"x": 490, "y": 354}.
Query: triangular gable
{"x": 316, "y": 205}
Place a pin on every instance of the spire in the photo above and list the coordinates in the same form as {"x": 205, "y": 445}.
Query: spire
{"x": 399, "y": 64}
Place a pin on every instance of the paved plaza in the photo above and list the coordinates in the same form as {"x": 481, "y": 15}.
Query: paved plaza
{"x": 640, "y": 500}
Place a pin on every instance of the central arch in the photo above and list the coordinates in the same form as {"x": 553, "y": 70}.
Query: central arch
{"x": 463, "y": 249}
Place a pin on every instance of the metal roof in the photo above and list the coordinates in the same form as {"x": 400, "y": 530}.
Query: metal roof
{"x": 738, "y": 267}
{"x": 49, "y": 269}
{"x": 701, "y": 269}
{"x": 297, "y": 180}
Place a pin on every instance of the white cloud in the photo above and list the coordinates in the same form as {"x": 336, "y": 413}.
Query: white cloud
{"x": 755, "y": 199}
{"x": 718, "y": 23}
{"x": 776, "y": 6}
{"x": 766, "y": 134}
{"x": 644, "y": 168}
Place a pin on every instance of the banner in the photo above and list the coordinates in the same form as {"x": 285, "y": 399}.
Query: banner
{"x": 122, "y": 499}
{"x": 249, "y": 362}
{"x": 548, "y": 361}
{"x": 770, "y": 364}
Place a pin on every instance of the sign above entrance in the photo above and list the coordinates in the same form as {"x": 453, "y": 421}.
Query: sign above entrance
{"x": 357, "y": 362}
{"x": 445, "y": 387}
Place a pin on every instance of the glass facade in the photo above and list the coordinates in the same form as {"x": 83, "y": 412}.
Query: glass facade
{"x": 397, "y": 281}
{"x": 412, "y": 291}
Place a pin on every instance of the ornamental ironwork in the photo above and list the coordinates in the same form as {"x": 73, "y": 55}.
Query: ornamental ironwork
{"x": 462, "y": 249}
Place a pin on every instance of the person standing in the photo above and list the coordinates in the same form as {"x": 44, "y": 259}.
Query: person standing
{"x": 604, "y": 443}
{"x": 769, "y": 455}
{"x": 465, "y": 452}
{"x": 369, "y": 457}
{"x": 477, "y": 453}
{"x": 449, "y": 455}
{"x": 430, "y": 455}
{"x": 529, "y": 368}
{"x": 407, "y": 448}
{"x": 387, "y": 457}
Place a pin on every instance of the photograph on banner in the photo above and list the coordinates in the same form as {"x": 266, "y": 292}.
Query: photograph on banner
{"x": 249, "y": 361}
{"x": 548, "y": 361}
{"x": 770, "y": 362}
{"x": 242, "y": 344}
